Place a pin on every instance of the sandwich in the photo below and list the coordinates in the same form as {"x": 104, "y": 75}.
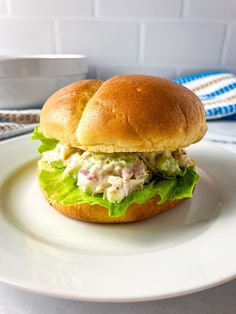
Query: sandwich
{"x": 114, "y": 151}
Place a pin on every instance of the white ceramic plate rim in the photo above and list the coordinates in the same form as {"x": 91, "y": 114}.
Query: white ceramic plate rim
{"x": 149, "y": 297}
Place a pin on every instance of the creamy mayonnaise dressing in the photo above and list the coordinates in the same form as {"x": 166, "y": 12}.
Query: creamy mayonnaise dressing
{"x": 60, "y": 152}
{"x": 116, "y": 175}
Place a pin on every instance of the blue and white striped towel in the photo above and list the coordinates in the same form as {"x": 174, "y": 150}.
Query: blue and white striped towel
{"x": 217, "y": 91}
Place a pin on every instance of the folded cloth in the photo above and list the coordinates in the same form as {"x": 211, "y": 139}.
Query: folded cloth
{"x": 16, "y": 122}
{"x": 217, "y": 91}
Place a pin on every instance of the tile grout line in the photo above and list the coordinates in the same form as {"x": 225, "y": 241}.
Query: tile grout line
{"x": 111, "y": 19}
{"x": 95, "y": 8}
{"x": 57, "y": 41}
{"x": 8, "y": 7}
{"x": 141, "y": 43}
{"x": 184, "y": 8}
{"x": 224, "y": 44}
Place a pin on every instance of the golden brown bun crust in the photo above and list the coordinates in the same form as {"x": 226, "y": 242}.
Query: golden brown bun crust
{"x": 61, "y": 113}
{"x": 141, "y": 113}
{"x": 99, "y": 214}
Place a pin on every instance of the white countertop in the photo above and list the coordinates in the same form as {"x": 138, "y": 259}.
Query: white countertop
{"x": 214, "y": 301}
{"x": 218, "y": 300}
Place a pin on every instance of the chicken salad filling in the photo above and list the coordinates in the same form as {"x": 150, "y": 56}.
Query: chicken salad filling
{"x": 116, "y": 175}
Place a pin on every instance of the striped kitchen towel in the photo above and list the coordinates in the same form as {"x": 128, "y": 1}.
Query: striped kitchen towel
{"x": 217, "y": 91}
{"x": 15, "y": 122}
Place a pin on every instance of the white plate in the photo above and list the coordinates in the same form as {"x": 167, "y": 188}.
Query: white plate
{"x": 184, "y": 250}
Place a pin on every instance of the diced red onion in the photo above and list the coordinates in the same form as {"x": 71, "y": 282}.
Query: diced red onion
{"x": 85, "y": 172}
{"x": 94, "y": 179}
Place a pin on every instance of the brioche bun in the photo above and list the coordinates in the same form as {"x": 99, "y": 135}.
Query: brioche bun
{"x": 99, "y": 214}
{"x": 127, "y": 113}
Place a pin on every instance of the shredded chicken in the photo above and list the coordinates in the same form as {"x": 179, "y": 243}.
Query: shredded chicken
{"x": 116, "y": 175}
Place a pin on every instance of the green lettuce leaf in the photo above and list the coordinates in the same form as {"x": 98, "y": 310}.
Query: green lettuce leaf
{"x": 46, "y": 143}
{"x": 64, "y": 190}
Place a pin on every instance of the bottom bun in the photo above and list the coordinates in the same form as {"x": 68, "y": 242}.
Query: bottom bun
{"x": 99, "y": 214}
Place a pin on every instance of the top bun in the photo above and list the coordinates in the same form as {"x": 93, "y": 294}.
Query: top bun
{"x": 62, "y": 111}
{"x": 127, "y": 113}
{"x": 138, "y": 113}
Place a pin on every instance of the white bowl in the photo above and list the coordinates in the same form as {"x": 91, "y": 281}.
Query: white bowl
{"x": 27, "y": 81}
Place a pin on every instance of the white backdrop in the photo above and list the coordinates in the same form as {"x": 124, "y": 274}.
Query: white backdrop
{"x": 162, "y": 37}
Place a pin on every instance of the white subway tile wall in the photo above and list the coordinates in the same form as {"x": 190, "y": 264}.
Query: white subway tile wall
{"x": 26, "y": 36}
{"x": 160, "y": 37}
{"x": 212, "y": 9}
{"x": 140, "y": 8}
{"x": 100, "y": 40}
{"x": 230, "y": 56}
{"x": 104, "y": 72}
{"x": 183, "y": 43}
{"x": 3, "y": 7}
{"x": 52, "y": 7}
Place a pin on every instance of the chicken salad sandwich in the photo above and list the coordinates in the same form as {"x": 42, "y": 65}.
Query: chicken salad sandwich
{"x": 114, "y": 151}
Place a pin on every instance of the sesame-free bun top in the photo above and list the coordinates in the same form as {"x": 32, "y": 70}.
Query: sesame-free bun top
{"x": 132, "y": 113}
{"x": 127, "y": 113}
{"x": 62, "y": 111}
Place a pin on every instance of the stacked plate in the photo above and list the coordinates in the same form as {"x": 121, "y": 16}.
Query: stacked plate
{"x": 27, "y": 81}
